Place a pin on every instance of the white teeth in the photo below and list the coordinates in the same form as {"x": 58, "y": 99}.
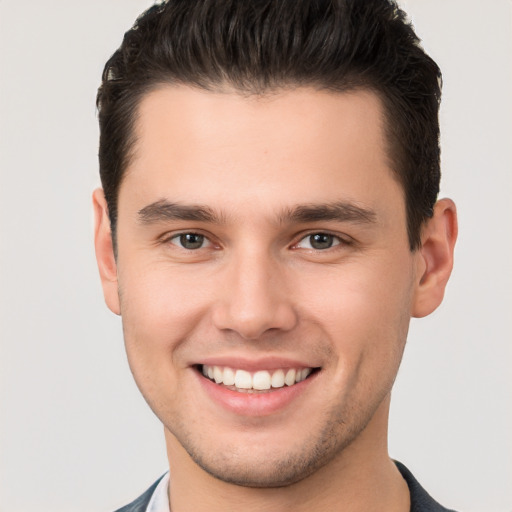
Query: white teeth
{"x": 289, "y": 379}
{"x": 218, "y": 374}
{"x": 306, "y": 372}
{"x": 278, "y": 379}
{"x": 261, "y": 380}
{"x": 302, "y": 374}
{"x": 229, "y": 377}
{"x": 243, "y": 379}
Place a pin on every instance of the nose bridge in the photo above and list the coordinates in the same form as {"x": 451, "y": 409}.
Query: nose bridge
{"x": 254, "y": 298}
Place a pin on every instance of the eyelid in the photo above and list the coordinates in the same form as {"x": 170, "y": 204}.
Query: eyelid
{"x": 170, "y": 236}
{"x": 342, "y": 239}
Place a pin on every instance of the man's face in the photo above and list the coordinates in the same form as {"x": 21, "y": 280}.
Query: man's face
{"x": 258, "y": 239}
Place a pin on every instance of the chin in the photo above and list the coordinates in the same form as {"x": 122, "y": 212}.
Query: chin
{"x": 269, "y": 474}
{"x": 267, "y": 467}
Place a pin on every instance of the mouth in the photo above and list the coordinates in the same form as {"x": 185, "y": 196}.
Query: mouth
{"x": 261, "y": 381}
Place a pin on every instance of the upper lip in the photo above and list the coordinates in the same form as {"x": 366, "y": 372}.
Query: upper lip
{"x": 256, "y": 364}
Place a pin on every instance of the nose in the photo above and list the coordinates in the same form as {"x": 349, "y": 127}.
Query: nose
{"x": 254, "y": 298}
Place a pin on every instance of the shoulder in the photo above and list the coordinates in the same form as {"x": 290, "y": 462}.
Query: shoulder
{"x": 141, "y": 503}
{"x": 421, "y": 501}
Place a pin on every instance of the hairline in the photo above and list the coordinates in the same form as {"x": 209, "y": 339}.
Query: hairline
{"x": 257, "y": 91}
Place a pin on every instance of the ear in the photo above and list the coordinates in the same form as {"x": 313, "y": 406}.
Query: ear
{"x": 435, "y": 258}
{"x": 105, "y": 251}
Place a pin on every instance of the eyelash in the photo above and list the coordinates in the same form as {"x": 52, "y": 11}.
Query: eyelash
{"x": 179, "y": 236}
{"x": 335, "y": 240}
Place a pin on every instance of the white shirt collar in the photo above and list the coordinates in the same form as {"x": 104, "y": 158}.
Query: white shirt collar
{"x": 159, "y": 501}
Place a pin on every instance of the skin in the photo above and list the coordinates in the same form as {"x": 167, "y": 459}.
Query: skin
{"x": 257, "y": 289}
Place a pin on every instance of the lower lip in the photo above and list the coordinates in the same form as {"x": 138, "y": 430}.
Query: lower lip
{"x": 255, "y": 404}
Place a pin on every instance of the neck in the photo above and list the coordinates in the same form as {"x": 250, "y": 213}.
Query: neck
{"x": 360, "y": 478}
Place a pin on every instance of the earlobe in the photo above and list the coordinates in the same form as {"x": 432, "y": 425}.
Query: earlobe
{"x": 435, "y": 258}
{"x": 105, "y": 251}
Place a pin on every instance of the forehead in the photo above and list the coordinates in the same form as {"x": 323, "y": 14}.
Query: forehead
{"x": 292, "y": 146}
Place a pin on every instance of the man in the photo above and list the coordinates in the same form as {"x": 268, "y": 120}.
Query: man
{"x": 267, "y": 227}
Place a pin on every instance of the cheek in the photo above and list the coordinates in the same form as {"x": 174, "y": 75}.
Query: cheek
{"x": 160, "y": 309}
{"x": 364, "y": 309}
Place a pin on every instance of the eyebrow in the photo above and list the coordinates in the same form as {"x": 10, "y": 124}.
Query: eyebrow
{"x": 164, "y": 210}
{"x": 341, "y": 211}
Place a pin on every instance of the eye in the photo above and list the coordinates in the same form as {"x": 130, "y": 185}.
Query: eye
{"x": 190, "y": 241}
{"x": 319, "y": 241}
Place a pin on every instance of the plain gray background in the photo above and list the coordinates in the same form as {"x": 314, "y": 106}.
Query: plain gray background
{"x": 75, "y": 435}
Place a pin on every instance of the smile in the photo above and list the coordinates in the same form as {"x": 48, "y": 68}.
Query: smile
{"x": 250, "y": 382}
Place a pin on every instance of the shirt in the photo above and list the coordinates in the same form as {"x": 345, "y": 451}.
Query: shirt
{"x": 156, "y": 498}
{"x": 159, "y": 501}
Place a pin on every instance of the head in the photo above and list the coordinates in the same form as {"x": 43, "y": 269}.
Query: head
{"x": 260, "y": 47}
{"x": 270, "y": 172}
